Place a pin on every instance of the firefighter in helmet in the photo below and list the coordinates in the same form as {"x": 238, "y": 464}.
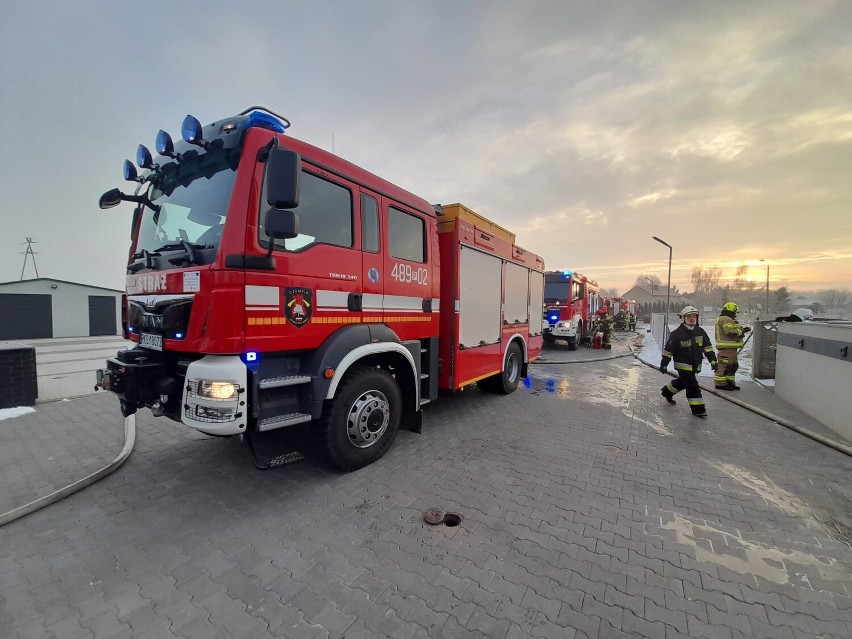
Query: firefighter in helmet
{"x": 687, "y": 345}
{"x": 729, "y": 341}
{"x": 604, "y": 320}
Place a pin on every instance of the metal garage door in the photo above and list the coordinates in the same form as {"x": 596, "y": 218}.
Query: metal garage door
{"x": 25, "y": 316}
{"x": 102, "y": 315}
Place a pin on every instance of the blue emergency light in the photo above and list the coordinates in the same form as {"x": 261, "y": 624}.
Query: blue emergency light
{"x": 553, "y": 318}
{"x": 566, "y": 274}
{"x": 263, "y": 120}
{"x": 144, "y": 159}
{"x": 190, "y": 130}
{"x": 164, "y": 144}
{"x": 130, "y": 173}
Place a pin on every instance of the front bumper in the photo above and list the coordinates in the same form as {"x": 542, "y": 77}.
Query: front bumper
{"x": 170, "y": 387}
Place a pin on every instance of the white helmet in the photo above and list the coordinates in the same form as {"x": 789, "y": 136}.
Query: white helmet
{"x": 804, "y": 314}
{"x": 689, "y": 310}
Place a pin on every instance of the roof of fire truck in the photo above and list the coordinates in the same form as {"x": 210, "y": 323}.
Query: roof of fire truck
{"x": 230, "y": 132}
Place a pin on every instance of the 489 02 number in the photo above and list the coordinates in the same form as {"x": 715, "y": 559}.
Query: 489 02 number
{"x": 407, "y": 273}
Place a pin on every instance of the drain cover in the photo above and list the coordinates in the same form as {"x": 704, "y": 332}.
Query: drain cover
{"x": 434, "y": 516}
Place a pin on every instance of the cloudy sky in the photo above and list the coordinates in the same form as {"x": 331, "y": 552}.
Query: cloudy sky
{"x": 725, "y": 128}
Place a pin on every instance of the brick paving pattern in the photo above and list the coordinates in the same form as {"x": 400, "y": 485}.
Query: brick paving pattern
{"x": 590, "y": 508}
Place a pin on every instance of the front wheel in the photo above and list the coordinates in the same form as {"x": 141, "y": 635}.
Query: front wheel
{"x": 361, "y": 422}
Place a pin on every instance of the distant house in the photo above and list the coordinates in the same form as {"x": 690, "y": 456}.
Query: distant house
{"x": 45, "y": 307}
{"x": 646, "y": 295}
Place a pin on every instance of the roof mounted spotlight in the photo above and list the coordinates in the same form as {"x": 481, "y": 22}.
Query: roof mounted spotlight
{"x": 130, "y": 172}
{"x": 144, "y": 159}
{"x": 190, "y": 130}
{"x": 165, "y": 146}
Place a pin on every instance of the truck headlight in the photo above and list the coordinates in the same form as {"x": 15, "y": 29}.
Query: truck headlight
{"x": 563, "y": 325}
{"x": 217, "y": 390}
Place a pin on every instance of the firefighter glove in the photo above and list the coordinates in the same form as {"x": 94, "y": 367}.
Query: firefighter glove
{"x": 746, "y": 329}
{"x": 713, "y": 363}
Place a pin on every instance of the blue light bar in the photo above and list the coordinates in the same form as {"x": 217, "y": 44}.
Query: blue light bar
{"x": 266, "y": 121}
{"x": 566, "y": 274}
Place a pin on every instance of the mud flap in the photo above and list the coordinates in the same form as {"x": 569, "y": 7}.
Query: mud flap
{"x": 276, "y": 448}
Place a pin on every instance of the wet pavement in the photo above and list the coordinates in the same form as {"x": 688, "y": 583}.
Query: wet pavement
{"x": 589, "y": 507}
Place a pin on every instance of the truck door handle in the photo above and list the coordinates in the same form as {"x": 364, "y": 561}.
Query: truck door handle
{"x": 355, "y": 302}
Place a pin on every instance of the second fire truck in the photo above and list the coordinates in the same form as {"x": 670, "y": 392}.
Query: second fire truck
{"x": 570, "y": 300}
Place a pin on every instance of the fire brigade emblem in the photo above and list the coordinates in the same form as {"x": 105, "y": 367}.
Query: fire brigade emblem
{"x": 298, "y": 305}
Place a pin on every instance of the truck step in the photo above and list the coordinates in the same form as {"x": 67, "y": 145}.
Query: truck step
{"x": 286, "y": 380}
{"x": 424, "y": 401}
{"x": 282, "y": 421}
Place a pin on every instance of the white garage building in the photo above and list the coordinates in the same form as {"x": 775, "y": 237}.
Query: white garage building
{"x": 45, "y": 307}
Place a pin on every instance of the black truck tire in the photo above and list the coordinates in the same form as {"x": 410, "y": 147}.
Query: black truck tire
{"x": 360, "y": 423}
{"x": 507, "y": 380}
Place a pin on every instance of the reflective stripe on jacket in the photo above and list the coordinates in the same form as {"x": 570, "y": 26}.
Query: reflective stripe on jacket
{"x": 729, "y": 334}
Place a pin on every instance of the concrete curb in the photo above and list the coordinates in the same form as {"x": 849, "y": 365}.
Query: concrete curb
{"x": 62, "y": 493}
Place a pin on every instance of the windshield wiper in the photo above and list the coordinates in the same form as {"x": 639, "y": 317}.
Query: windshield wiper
{"x": 190, "y": 249}
{"x": 148, "y": 263}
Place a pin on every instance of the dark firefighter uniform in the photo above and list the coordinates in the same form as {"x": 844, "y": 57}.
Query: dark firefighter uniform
{"x": 687, "y": 347}
{"x": 729, "y": 341}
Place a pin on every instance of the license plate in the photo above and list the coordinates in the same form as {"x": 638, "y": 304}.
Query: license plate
{"x": 154, "y": 342}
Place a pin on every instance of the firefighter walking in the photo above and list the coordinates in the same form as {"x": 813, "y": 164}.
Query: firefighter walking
{"x": 729, "y": 341}
{"x": 688, "y": 344}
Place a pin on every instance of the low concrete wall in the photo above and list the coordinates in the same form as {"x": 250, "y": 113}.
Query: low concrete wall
{"x": 813, "y": 371}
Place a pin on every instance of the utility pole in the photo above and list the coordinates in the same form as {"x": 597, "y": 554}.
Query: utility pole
{"x": 27, "y": 253}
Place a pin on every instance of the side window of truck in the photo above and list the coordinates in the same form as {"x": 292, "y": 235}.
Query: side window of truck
{"x": 369, "y": 224}
{"x": 325, "y": 215}
{"x": 406, "y": 236}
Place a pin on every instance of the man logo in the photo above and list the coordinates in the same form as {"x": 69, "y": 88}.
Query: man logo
{"x": 298, "y": 305}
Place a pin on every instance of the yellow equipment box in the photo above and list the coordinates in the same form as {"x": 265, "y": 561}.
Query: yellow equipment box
{"x": 453, "y": 211}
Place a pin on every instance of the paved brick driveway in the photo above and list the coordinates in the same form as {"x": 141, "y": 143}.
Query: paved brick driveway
{"x": 590, "y": 509}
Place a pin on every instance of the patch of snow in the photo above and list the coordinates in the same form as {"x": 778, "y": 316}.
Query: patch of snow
{"x": 9, "y": 413}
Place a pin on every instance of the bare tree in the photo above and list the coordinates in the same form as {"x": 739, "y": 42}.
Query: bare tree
{"x": 835, "y": 297}
{"x": 642, "y": 280}
{"x": 743, "y": 288}
{"x": 705, "y": 282}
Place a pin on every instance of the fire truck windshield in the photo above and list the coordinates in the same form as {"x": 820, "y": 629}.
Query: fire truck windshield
{"x": 191, "y": 200}
{"x": 556, "y": 292}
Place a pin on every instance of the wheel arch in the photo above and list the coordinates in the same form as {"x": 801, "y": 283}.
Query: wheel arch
{"x": 517, "y": 338}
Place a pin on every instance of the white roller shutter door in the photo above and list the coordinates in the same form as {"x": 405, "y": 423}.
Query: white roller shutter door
{"x": 517, "y": 294}
{"x": 480, "y": 298}
{"x": 536, "y": 302}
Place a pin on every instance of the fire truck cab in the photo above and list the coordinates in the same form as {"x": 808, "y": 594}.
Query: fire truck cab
{"x": 570, "y": 300}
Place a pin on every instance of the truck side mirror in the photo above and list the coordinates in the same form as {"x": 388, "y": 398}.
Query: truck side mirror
{"x": 281, "y": 225}
{"x": 110, "y": 199}
{"x": 283, "y": 178}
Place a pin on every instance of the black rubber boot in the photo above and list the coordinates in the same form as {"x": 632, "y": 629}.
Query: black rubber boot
{"x": 699, "y": 412}
{"x": 665, "y": 392}
{"x": 732, "y": 387}
{"x": 726, "y": 388}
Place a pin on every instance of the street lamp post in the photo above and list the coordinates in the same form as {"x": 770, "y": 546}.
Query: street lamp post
{"x": 668, "y": 286}
{"x": 767, "y": 288}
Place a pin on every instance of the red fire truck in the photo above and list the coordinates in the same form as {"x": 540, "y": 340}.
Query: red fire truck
{"x": 273, "y": 287}
{"x": 571, "y": 301}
